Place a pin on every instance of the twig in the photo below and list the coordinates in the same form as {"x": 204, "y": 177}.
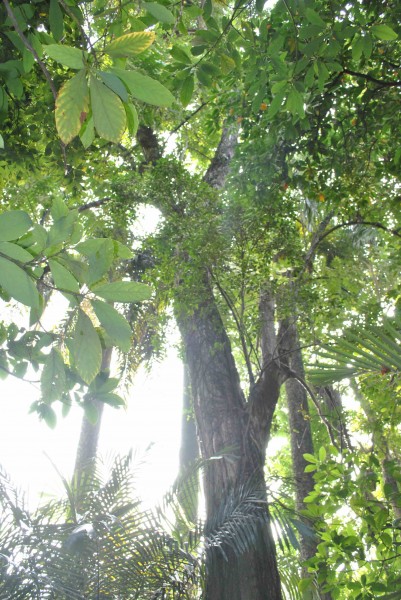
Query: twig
{"x": 189, "y": 117}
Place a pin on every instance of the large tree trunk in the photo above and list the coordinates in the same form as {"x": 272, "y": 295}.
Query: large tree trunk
{"x": 233, "y": 434}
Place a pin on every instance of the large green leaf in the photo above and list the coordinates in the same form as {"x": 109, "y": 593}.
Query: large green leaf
{"x": 56, "y": 20}
{"x": 18, "y": 284}
{"x": 85, "y": 348}
{"x": 159, "y": 12}
{"x": 66, "y": 55}
{"x": 108, "y": 111}
{"x": 53, "y": 379}
{"x": 100, "y": 254}
{"x": 62, "y": 278}
{"x": 384, "y": 32}
{"x": 114, "y": 324}
{"x": 130, "y": 44}
{"x": 145, "y": 88}
{"x": 72, "y": 106}
{"x": 123, "y": 291}
{"x": 15, "y": 251}
{"x": 13, "y": 224}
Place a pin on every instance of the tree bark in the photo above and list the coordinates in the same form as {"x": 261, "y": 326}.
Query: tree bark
{"x": 301, "y": 439}
{"x": 89, "y": 437}
{"x": 233, "y": 436}
{"x": 189, "y": 454}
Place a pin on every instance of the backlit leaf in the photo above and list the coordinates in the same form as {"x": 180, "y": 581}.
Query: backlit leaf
{"x": 159, "y": 12}
{"x": 114, "y": 324}
{"x": 130, "y": 44}
{"x": 18, "y": 284}
{"x": 62, "y": 278}
{"x": 15, "y": 251}
{"x": 13, "y": 224}
{"x": 187, "y": 90}
{"x": 56, "y": 20}
{"x": 145, "y": 88}
{"x": 53, "y": 379}
{"x": 115, "y": 84}
{"x": 384, "y": 32}
{"x": 123, "y": 291}
{"x": 85, "y": 348}
{"x": 66, "y": 55}
{"x": 72, "y": 106}
{"x": 132, "y": 118}
{"x": 108, "y": 111}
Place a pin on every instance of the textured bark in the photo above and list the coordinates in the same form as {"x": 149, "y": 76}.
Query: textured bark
{"x": 333, "y": 410}
{"x": 234, "y": 433}
{"x": 89, "y": 437}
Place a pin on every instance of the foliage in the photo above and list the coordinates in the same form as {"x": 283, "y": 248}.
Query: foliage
{"x": 36, "y": 261}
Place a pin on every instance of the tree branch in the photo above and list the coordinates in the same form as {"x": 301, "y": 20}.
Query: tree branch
{"x": 379, "y": 82}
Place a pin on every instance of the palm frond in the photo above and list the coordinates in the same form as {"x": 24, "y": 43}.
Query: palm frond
{"x": 374, "y": 349}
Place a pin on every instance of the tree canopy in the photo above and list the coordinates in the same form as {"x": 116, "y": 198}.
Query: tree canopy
{"x": 267, "y": 136}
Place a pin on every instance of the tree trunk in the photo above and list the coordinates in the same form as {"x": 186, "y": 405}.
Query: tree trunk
{"x": 89, "y": 437}
{"x": 188, "y": 474}
{"x": 301, "y": 439}
{"x": 233, "y": 436}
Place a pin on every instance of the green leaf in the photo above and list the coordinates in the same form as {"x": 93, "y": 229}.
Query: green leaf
{"x": 27, "y": 60}
{"x": 115, "y": 84}
{"x": 16, "y": 252}
{"x": 130, "y": 44}
{"x": 53, "y": 379}
{"x": 18, "y": 284}
{"x": 295, "y": 103}
{"x": 13, "y": 224}
{"x": 159, "y": 12}
{"x": 123, "y": 291}
{"x": 314, "y": 18}
{"x": 72, "y": 106}
{"x": 62, "y": 278}
{"x": 114, "y": 324}
{"x": 111, "y": 399}
{"x": 108, "y": 112}
{"x": 48, "y": 415}
{"x": 56, "y": 20}
{"x": 87, "y": 133}
{"x": 100, "y": 254}
{"x": 180, "y": 55}
{"x": 384, "y": 32}
{"x": 310, "y": 458}
{"x": 66, "y": 55}
{"x": 187, "y": 89}
{"x": 59, "y": 209}
{"x": 322, "y": 454}
{"x": 85, "y": 348}
{"x": 145, "y": 88}
{"x": 132, "y": 118}
{"x": 122, "y": 251}
{"x": 1, "y": 142}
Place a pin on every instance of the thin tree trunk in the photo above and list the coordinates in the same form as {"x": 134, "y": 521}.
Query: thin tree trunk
{"x": 89, "y": 437}
{"x": 189, "y": 454}
{"x": 301, "y": 439}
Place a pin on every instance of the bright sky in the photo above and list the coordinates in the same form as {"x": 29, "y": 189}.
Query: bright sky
{"x": 152, "y": 418}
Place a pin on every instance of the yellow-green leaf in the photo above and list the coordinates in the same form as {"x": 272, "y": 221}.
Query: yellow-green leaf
{"x": 114, "y": 324}
{"x": 72, "y": 107}
{"x": 130, "y": 44}
{"x": 159, "y": 12}
{"x": 108, "y": 112}
{"x": 123, "y": 291}
{"x": 13, "y": 224}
